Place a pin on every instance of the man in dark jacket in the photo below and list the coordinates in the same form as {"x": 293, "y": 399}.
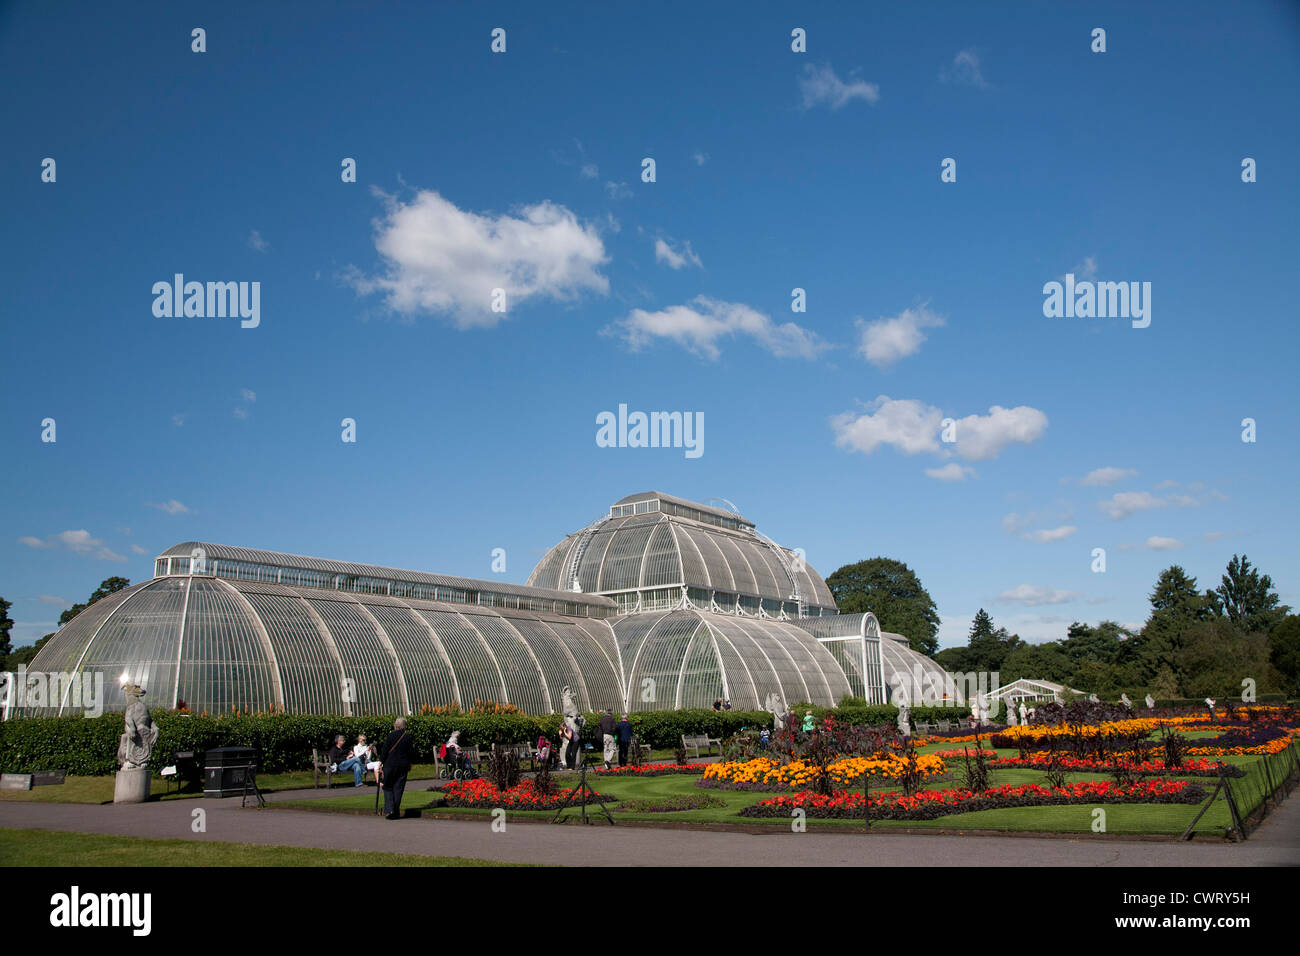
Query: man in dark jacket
{"x": 396, "y": 754}
{"x": 623, "y": 734}
{"x": 606, "y": 726}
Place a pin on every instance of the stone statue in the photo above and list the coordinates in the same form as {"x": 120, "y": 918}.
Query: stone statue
{"x": 1123, "y": 699}
{"x": 904, "y": 719}
{"x": 775, "y": 706}
{"x": 1011, "y": 714}
{"x": 140, "y": 735}
{"x": 1024, "y": 715}
{"x": 571, "y": 734}
{"x": 1151, "y": 702}
{"x": 135, "y": 748}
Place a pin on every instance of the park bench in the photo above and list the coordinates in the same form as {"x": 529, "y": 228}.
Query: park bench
{"x": 945, "y": 726}
{"x": 320, "y": 763}
{"x": 924, "y": 729}
{"x": 694, "y": 745}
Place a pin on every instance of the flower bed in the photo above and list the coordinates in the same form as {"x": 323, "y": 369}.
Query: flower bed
{"x": 483, "y": 794}
{"x": 928, "y": 804}
{"x": 962, "y": 754}
{"x": 674, "y": 804}
{"x": 649, "y": 770}
{"x": 1154, "y": 767}
{"x": 766, "y": 774}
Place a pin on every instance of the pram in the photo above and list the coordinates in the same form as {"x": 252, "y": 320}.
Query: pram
{"x": 454, "y": 765}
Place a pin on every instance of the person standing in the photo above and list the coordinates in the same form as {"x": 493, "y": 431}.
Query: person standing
{"x": 606, "y": 726}
{"x": 623, "y": 733}
{"x": 396, "y": 754}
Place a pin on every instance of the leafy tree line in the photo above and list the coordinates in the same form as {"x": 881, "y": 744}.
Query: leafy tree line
{"x": 1194, "y": 643}
{"x": 10, "y": 657}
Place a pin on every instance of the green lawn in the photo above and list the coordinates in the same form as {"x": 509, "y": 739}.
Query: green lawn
{"x": 56, "y": 848}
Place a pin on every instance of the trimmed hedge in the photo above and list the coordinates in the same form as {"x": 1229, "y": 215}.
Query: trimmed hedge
{"x": 88, "y": 745}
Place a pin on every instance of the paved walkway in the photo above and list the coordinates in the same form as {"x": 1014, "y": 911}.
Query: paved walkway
{"x": 1275, "y": 843}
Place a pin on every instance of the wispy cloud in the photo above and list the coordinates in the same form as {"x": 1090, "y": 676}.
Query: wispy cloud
{"x": 951, "y": 472}
{"x": 255, "y": 241}
{"x": 700, "y": 158}
{"x": 821, "y": 87}
{"x": 965, "y": 70}
{"x": 1125, "y": 503}
{"x": 703, "y": 323}
{"x": 171, "y": 507}
{"x": 1106, "y": 476}
{"x": 248, "y": 396}
{"x": 675, "y": 259}
{"x": 1035, "y": 596}
{"x": 78, "y": 542}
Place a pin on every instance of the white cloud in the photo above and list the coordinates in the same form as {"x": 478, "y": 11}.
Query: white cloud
{"x": 255, "y": 241}
{"x": 55, "y": 601}
{"x": 965, "y": 70}
{"x": 951, "y": 472}
{"x": 912, "y": 427}
{"x": 820, "y": 86}
{"x": 78, "y": 542}
{"x": 444, "y": 260}
{"x": 905, "y": 424}
{"x": 1163, "y": 544}
{"x": 699, "y": 325}
{"x": 1045, "y": 535}
{"x": 590, "y": 171}
{"x": 178, "y": 420}
{"x": 664, "y": 252}
{"x": 617, "y": 190}
{"x": 248, "y": 395}
{"x": 700, "y": 158}
{"x": 1087, "y": 269}
{"x": 887, "y": 340}
{"x": 1106, "y": 476}
{"x": 980, "y": 437}
{"x": 171, "y": 506}
{"x": 1124, "y": 503}
{"x": 136, "y": 549}
{"x": 1035, "y": 596}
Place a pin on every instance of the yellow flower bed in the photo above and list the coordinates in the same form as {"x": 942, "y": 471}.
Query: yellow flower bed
{"x": 1134, "y": 725}
{"x": 800, "y": 775}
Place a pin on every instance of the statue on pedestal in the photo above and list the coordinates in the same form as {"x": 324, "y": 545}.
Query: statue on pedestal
{"x": 571, "y": 731}
{"x": 1024, "y": 714}
{"x": 904, "y": 718}
{"x": 1123, "y": 699}
{"x": 140, "y": 734}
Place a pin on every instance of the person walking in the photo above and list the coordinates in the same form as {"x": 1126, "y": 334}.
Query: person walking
{"x": 606, "y": 726}
{"x": 623, "y": 733}
{"x": 396, "y": 754}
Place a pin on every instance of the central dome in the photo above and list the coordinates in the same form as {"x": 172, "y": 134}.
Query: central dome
{"x": 654, "y": 552}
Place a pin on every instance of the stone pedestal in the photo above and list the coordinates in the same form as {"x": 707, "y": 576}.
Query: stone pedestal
{"x": 131, "y": 786}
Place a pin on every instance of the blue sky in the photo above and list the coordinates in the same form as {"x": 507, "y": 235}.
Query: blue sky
{"x": 775, "y": 170}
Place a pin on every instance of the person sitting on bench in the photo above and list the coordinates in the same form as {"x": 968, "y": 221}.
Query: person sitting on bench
{"x": 342, "y": 760}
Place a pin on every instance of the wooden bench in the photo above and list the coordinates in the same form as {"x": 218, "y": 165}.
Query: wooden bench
{"x": 694, "y": 745}
{"x": 320, "y": 764}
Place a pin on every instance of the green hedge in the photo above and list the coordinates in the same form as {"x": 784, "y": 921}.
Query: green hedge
{"x": 88, "y": 745}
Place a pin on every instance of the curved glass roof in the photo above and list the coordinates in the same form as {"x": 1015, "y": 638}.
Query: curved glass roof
{"x": 689, "y": 658}
{"x": 222, "y": 644}
{"x": 656, "y": 548}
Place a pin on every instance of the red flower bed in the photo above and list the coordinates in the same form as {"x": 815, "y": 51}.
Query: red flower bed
{"x": 968, "y": 752}
{"x": 485, "y": 795}
{"x": 649, "y": 770}
{"x": 1152, "y": 767}
{"x": 928, "y": 804}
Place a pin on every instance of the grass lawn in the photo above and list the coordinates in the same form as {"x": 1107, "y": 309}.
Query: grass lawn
{"x": 55, "y": 848}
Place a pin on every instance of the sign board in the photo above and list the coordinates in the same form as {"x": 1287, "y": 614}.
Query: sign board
{"x": 15, "y": 781}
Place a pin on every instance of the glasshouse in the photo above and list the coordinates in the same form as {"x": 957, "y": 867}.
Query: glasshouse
{"x": 661, "y": 603}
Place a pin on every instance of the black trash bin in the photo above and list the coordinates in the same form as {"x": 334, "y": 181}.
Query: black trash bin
{"x": 227, "y": 769}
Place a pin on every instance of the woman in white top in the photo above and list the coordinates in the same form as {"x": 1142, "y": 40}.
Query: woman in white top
{"x": 364, "y": 752}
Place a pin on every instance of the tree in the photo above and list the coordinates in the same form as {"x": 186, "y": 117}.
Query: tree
{"x": 24, "y": 655}
{"x": 1101, "y": 644}
{"x": 6, "y": 625}
{"x": 1176, "y": 605}
{"x": 107, "y": 586}
{"x": 1284, "y": 651}
{"x": 986, "y": 647}
{"x": 1247, "y": 598}
{"x": 1044, "y": 661}
{"x": 891, "y": 591}
{"x": 1217, "y": 655}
